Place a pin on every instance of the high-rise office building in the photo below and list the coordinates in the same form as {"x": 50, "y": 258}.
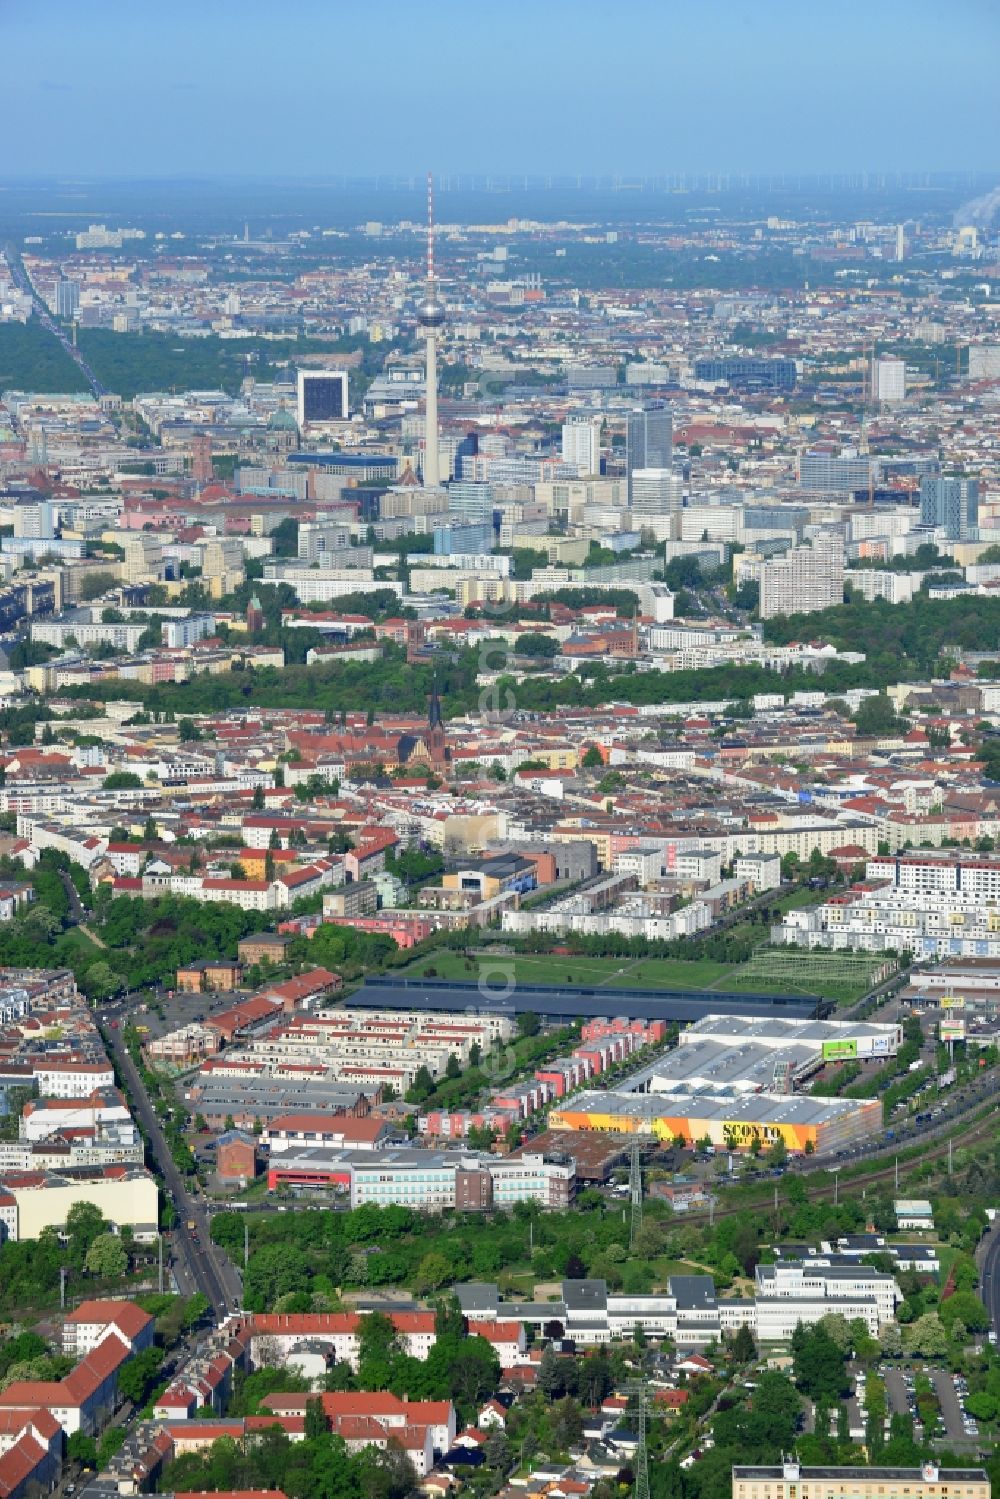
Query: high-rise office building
{"x": 950, "y": 504}
{"x": 649, "y": 439}
{"x": 655, "y": 492}
{"x": 67, "y": 299}
{"x": 581, "y": 445}
{"x": 322, "y": 396}
{"x": 33, "y": 518}
{"x": 469, "y": 502}
{"x": 888, "y": 380}
{"x": 473, "y": 539}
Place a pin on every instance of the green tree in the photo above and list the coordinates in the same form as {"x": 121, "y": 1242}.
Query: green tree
{"x": 876, "y": 717}
{"x": 432, "y": 1272}
{"x": 317, "y": 1423}
{"x": 967, "y": 1308}
{"x": 273, "y": 1271}
{"x": 744, "y": 1347}
{"x": 137, "y": 1377}
{"x": 122, "y": 780}
{"x": 818, "y": 1364}
{"x": 82, "y": 1449}
{"x": 106, "y": 1257}
{"x": 84, "y": 1222}
{"x": 927, "y": 1336}
{"x": 497, "y": 1450}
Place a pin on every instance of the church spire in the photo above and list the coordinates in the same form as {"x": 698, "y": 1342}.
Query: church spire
{"x": 434, "y": 717}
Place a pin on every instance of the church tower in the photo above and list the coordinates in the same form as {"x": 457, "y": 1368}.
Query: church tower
{"x": 437, "y": 746}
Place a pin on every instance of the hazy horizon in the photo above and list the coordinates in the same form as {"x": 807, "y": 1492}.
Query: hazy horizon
{"x": 318, "y": 90}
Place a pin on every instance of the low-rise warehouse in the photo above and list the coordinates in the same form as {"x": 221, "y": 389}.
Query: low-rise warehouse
{"x": 563, "y": 1004}
{"x": 831, "y": 1038}
{"x": 728, "y": 1120}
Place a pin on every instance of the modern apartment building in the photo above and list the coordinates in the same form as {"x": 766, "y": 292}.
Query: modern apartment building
{"x": 804, "y": 580}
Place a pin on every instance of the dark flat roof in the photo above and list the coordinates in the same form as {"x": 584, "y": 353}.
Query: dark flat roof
{"x": 568, "y": 1002}
{"x": 868, "y": 1475}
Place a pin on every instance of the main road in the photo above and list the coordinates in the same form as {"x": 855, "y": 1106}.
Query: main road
{"x": 988, "y": 1256}
{"x": 22, "y": 281}
{"x": 209, "y": 1269}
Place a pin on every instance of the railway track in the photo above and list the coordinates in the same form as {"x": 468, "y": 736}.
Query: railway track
{"x": 883, "y": 1172}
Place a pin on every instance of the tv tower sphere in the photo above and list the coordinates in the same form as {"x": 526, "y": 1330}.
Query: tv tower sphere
{"x": 430, "y": 312}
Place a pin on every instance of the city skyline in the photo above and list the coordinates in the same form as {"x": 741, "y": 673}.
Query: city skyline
{"x": 554, "y": 90}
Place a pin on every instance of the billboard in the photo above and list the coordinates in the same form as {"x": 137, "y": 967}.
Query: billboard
{"x": 953, "y": 1002}
{"x": 839, "y": 1051}
{"x": 952, "y": 1030}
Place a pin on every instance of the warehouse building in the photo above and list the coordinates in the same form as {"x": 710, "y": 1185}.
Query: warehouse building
{"x": 729, "y": 1119}
{"x": 832, "y": 1038}
{"x": 564, "y": 1004}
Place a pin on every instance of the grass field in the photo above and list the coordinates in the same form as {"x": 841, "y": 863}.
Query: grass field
{"x": 782, "y": 973}
{"x": 544, "y": 968}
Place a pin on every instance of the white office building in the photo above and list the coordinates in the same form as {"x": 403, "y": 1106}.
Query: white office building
{"x": 888, "y": 380}
{"x": 581, "y": 446}
{"x": 656, "y": 493}
{"x": 805, "y": 1291}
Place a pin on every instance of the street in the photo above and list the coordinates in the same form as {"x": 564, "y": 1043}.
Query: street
{"x": 205, "y": 1267}
{"x": 988, "y": 1255}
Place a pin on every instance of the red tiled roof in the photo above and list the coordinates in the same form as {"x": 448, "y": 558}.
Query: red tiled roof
{"x": 124, "y": 1314}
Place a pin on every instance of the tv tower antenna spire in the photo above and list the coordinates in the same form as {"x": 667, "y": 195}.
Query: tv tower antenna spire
{"x": 430, "y": 229}
{"x": 430, "y": 316}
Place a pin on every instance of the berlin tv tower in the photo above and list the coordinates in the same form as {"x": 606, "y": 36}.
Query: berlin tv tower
{"x": 430, "y": 316}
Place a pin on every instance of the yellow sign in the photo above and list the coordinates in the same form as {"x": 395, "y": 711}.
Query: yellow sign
{"x": 953, "y": 1002}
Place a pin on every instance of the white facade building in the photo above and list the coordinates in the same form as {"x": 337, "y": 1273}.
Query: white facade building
{"x": 889, "y": 380}
{"x": 581, "y": 446}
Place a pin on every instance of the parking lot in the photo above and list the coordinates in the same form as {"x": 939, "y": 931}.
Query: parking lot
{"x": 951, "y": 1392}
{"x": 958, "y": 1429}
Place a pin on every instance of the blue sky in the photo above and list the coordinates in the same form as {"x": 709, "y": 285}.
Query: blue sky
{"x": 318, "y": 87}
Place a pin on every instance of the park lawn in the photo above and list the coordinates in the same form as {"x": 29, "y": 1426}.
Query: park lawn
{"x": 549, "y": 968}
{"x": 72, "y": 937}
{"x": 803, "y": 896}
{"x": 655, "y": 973}
{"x": 947, "y": 1255}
